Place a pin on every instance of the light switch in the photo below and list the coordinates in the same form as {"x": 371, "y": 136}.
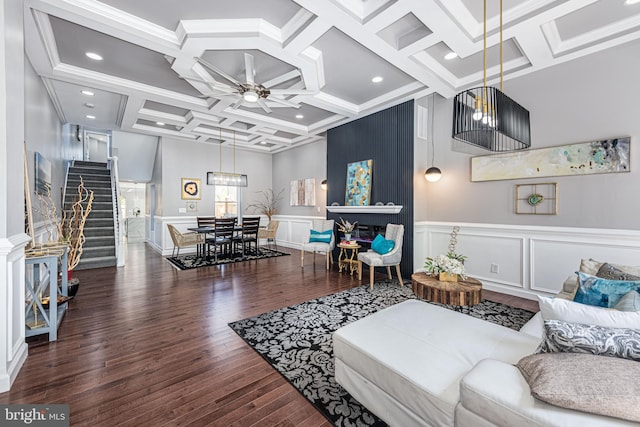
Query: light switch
{"x": 182, "y": 210}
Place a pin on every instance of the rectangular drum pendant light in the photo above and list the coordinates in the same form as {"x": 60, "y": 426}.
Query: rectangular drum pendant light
{"x": 226, "y": 178}
{"x": 487, "y": 118}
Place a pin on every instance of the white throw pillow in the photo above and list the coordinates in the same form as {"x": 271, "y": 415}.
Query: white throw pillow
{"x": 573, "y": 312}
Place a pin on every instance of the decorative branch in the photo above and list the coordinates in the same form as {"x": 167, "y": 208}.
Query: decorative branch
{"x": 73, "y": 222}
{"x": 49, "y": 214}
{"x": 268, "y": 204}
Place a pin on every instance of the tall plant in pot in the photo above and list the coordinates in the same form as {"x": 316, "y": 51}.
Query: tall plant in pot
{"x": 267, "y": 203}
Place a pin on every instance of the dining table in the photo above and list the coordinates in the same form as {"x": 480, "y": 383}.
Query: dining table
{"x": 201, "y": 249}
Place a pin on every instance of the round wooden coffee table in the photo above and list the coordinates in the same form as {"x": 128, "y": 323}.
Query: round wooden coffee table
{"x": 466, "y": 292}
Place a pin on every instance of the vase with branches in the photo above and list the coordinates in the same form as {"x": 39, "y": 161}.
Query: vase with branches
{"x": 267, "y": 202}
{"x": 73, "y": 221}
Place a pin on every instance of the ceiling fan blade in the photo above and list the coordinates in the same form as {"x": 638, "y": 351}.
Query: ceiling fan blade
{"x": 292, "y": 92}
{"x": 281, "y": 79}
{"x": 264, "y": 106}
{"x": 218, "y": 71}
{"x": 223, "y": 89}
{"x": 249, "y": 69}
{"x": 284, "y": 102}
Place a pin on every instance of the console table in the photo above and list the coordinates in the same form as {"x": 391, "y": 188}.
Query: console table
{"x": 41, "y": 281}
{"x": 345, "y": 259}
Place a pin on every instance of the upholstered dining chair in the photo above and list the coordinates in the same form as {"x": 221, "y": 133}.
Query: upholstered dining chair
{"x": 269, "y": 233}
{"x": 318, "y": 242}
{"x": 182, "y": 240}
{"x": 395, "y": 233}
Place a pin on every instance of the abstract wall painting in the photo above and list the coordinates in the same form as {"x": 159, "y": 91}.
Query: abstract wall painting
{"x": 585, "y": 158}
{"x": 43, "y": 174}
{"x": 303, "y": 192}
{"x": 358, "y": 192}
{"x": 191, "y": 189}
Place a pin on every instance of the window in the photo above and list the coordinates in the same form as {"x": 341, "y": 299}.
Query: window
{"x": 227, "y": 201}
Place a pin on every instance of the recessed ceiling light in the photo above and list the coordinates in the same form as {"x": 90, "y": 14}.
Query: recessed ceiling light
{"x": 377, "y": 79}
{"x": 160, "y": 123}
{"x": 94, "y": 56}
{"x": 299, "y": 116}
{"x": 87, "y": 92}
{"x": 89, "y": 116}
{"x": 450, "y": 56}
{"x": 630, "y": 2}
{"x": 89, "y": 105}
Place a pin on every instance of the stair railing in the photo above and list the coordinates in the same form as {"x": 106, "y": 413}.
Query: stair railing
{"x": 117, "y": 220}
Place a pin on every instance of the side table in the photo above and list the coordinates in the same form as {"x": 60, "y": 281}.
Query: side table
{"x": 466, "y": 292}
{"x": 346, "y": 259}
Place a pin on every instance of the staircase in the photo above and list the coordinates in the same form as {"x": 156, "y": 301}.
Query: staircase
{"x": 99, "y": 249}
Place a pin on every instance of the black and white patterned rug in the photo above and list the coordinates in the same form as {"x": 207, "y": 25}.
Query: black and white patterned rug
{"x": 296, "y": 341}
{"x": 185, "y": 262}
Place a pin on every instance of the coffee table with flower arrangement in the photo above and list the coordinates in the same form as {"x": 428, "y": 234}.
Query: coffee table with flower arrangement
{"x": 464, "y": 292}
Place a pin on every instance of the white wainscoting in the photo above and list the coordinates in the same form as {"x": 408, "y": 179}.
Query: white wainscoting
{"x": 292, "y": 231}
{"x": 531, "y": 260}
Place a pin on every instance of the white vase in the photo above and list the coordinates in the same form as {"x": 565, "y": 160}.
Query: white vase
{"x": 347, "y": 237}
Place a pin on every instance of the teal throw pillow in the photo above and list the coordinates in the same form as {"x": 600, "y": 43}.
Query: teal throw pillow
{"x": 381, "y": 245}
{"x": 320, "y": 236}
{"x": 600, "y": 292}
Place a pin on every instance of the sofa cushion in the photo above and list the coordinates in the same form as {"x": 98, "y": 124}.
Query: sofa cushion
{"x": 629, "y": 302}
{"x": 417, "y": 352}
{"x": 573, "y": 312}
{"x": 498, "y": 392}
{"x": 595, "y": 384}
{"x": 602, "y": 292}
{"x": 564, "y": 337}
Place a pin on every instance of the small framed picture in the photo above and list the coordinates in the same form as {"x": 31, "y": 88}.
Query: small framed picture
{"x": 191, "y": 189}
{"x": 192, "y": 206}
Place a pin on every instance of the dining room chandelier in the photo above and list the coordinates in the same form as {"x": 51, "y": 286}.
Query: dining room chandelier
{"x": 485, "y": 117}
{"x": 230, "y": 179}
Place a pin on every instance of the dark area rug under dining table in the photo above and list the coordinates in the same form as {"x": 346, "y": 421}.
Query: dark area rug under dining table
{"x": 297, "y": 342}
{"x": 186, "y": 262}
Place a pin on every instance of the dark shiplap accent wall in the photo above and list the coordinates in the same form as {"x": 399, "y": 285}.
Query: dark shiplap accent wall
{"x": 385, "y": 137}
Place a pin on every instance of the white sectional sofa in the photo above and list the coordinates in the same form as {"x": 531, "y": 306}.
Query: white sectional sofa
{"x": 417, "y": 364}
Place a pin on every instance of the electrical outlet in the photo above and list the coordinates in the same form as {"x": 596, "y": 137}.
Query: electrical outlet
{"x": 182, "y": 210}
{"x": 495, "y": 268}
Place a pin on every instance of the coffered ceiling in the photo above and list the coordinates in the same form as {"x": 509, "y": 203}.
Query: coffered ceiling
{"x": 168, "y": 66}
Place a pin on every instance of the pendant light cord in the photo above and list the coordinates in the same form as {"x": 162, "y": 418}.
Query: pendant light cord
{"x": 501, "y": 79}
{"x": 433, "y": 146}
{"x": 220, "y": 148}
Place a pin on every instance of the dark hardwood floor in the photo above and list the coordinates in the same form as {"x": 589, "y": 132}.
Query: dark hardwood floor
{"x": 147, "y": 345}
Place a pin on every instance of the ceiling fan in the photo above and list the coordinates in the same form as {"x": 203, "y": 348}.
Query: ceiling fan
{"x": 249, "y": 91}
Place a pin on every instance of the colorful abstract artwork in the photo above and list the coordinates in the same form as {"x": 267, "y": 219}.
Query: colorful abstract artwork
{"x": 606, "y": 156}
{"x": 190, "y": 189}
{"x": 358, "y": 191}
{"x": 303, "y": 192}
{"x": 43, "y": 174}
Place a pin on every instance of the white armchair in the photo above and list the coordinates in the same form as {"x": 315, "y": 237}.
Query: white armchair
{"x": 322, "y": 247}
{"x": 373, "y": 259}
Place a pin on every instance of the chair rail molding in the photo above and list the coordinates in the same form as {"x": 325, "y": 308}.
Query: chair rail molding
{"x": 385, "y": 209}
{"x": 530, "y": 260}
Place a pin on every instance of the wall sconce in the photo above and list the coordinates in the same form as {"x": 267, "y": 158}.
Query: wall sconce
{"x": 323, "y": 184}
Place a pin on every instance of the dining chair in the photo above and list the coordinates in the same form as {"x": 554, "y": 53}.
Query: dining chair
{"x": 394, "y": 233}
{"x": 248, "y": 234}
{"x": 182, "y": 240}
{"x": 222, "y": 236}
{"x": 269, "y": 233}
{"x": 321, "y": 239}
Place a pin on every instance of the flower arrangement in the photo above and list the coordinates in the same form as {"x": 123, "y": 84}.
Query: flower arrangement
{"x": 446, "y": 263}
{"x": 346, "y": 226}
{"x": 451, "y": 262}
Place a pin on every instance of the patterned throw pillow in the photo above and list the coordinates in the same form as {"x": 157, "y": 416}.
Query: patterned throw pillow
{"x": 320, "y": 236}
{"x": 600, "y": 292}
{"x": 564, "y": 337}
{"x": 611, "y": 272}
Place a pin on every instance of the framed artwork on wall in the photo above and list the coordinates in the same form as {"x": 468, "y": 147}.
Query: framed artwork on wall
{"x": 358, "y": 191}
{"x": 43, "y": 174}
{"x": 537, "y": 199}
{"x": 303, "y": 192}
{"x": 191, "y": 189}
{"x": 585, "y": 158}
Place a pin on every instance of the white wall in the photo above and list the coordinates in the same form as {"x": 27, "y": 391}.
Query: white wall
{"x": 13, "y": 349}
{"x": 136, "y": 154}
{"x": 583, "y": 100}
{"x": 308, "y": 161}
